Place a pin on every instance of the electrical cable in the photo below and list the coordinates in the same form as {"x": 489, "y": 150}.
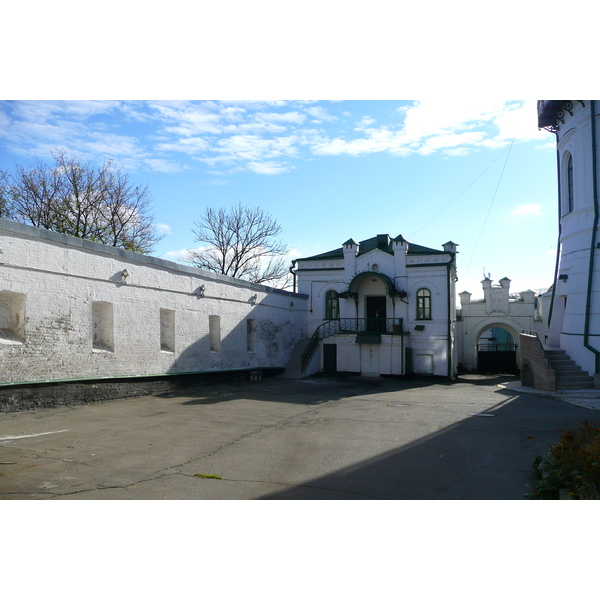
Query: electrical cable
{"x": 490, "y": 207}
{"x": 459, "y": 195}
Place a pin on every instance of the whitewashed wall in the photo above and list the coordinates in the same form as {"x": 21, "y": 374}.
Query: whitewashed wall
{"x": 567, "y": 326}
{"x": 58, "y": 292}
{"x": 409, "y": 273}
{"x": 496, "y": 309}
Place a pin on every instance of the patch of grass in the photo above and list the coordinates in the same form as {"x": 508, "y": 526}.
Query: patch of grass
{"x": 572, "y": 464}
{"x": 207, "y": 476}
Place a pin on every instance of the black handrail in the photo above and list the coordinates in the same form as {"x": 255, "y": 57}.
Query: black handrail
{"x": 349, "y": 325}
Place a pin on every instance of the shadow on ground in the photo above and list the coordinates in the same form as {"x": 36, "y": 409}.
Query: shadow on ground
{"x": 485, "y": 456}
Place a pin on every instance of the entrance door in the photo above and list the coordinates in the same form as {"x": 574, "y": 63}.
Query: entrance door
{"x": 330, "y": 358}
{"x": 376, "y": 313}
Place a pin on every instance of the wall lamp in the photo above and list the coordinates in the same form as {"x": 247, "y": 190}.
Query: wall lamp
{"x": 253, "y": 299}
{"x": 124, "y": 275}
{"x": 563, "y": 278}
{"x": 200, "y": 291}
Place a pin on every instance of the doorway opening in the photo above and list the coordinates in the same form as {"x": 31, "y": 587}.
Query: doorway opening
{"x": 376, "y": 313}
{"x": 497, "y": 352}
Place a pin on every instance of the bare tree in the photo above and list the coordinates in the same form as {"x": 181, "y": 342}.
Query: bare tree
{"x": 241, "y": 242}
{"x": 78, "y": 199}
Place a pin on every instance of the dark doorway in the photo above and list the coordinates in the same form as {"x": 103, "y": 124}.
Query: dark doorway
{"x": 376, "y": 313}
{"x": 330, "y": 358}
{"x": 496, "y": 352}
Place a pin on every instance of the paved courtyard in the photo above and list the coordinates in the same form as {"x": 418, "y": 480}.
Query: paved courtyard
{"x": 322, "y": 438}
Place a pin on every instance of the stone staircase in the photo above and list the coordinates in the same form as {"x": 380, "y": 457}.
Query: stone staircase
{"x": 293, "y": 369}
{"x": 568, "y": 374}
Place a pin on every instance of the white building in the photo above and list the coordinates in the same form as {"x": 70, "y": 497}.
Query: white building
{"x": 480, "y": 320}
{"x": 381, "y": 307}
{"x": 73, "y": 310}
{"x": 574, "y": 319}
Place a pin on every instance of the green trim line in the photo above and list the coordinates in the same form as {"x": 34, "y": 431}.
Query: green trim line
{"x": 320, "y": 269}
{"x": 580, "y": 334}
{"x": 131, "y": 377}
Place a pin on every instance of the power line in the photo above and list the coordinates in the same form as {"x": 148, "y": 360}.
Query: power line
{"x": 490, "y": 207}
{"x": 459, "y": 195}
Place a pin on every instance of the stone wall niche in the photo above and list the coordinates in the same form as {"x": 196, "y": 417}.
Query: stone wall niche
{"x": 102, "y": 327}
{"x": 12, "y": 318}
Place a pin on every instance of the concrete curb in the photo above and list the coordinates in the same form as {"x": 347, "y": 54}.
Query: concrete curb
{"x": 585, "y": 398}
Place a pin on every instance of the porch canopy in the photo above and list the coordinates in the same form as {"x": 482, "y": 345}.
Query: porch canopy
{"x": 352, "y": 291}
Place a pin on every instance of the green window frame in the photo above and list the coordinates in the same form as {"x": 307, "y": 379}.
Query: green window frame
{"x": 423, "y": 305}
{"x": 332, "y": 305}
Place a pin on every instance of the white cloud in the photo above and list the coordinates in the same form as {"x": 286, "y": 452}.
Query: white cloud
{"x": 289, "y": 117}
{"x": 461, "y": 125}
{"x": 164, "y": 166}
{"x": 181, "y": 256}
{"x": 364, "y": 123}
{"x": 527, "y": 209}
{"x": 320, "y": 114}
{"x": 163, "y": 228}
{"x": 268, "y": 168}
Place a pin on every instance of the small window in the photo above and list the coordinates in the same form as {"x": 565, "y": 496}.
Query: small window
{"x": 214, "y": 331}
{"x": 423, "y": 304}
{"x": 332, "y": 305}
{"x": 167, "y": 330}
{"x": 251, "y": 335}
{"x": 12, "y": 318}
{"x": 102, "y": 326}
{"x": 570, "y": 194}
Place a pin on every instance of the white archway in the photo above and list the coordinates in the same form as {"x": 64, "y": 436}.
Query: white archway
{"x": 470, "y": 338}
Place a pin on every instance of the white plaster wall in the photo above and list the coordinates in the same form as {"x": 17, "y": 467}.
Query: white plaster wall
{"x": 433, "y": 340}
{"x": 61, "y": 277}
{"x": 430, "y": 272}
{"x": 478, "y": 316}
{"x": 568, "y": 323}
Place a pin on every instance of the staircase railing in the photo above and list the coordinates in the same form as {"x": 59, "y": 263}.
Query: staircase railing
{"x": 349, "y": 325}
{"x": 321, "y": 332}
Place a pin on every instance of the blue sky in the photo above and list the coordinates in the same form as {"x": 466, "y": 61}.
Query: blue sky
{"x": 476, "y": 172}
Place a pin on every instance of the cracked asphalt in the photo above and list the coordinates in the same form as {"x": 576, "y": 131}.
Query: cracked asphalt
{"x": 322, "y": 438}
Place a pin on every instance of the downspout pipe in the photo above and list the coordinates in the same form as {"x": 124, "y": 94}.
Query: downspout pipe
{"x": 588, "y": 299}
{"x": 449, "y": 333}
{"x": 294, "y": 274}
{"x": 559, "y": 233}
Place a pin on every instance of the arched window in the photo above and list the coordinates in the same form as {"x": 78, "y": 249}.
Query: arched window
{"x": 332, "y": 305}
{"x": 570, "y": 196}
{"x": 423, "y": 304}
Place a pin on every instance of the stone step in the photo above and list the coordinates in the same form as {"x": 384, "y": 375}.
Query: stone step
{"x": 563, "y": 363}
{"x": 569, "y": 375}
{"x": 560, "y": 385}
{"x": 293, "y": 369}
{"x": 569, "y": 380}
{"x": 565, "y": 367}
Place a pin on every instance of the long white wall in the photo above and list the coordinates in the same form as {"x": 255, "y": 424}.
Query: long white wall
{"x": 66, "y": 312}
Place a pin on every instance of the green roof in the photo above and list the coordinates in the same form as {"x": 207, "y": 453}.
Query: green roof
{"x": 382, "y": 242}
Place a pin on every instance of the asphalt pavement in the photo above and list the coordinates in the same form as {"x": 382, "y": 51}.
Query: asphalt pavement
{"x": 346, "y": 438}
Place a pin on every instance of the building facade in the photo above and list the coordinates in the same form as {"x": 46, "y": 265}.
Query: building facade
{"x": 574, "y": 319}
{"x": 499, "y": 315}
{"x": 383, "y": 306}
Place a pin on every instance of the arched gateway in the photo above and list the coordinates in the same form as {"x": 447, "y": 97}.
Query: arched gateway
{"x": 488, "y": 330}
